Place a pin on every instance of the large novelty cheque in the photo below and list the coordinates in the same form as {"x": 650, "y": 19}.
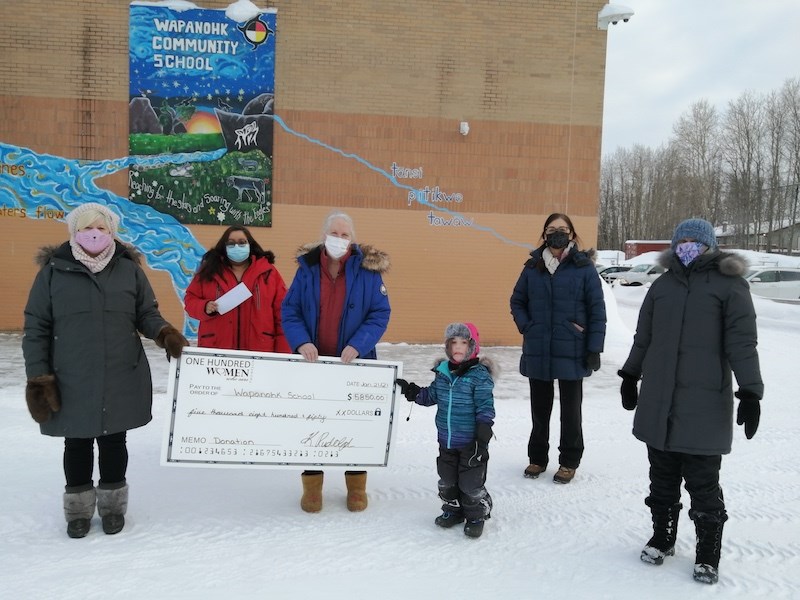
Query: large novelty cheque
{"x": 232, "y": 408}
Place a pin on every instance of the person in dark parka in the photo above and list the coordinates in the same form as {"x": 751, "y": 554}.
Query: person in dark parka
{"x": 696, "y": 325}
{"x": 88, "y": 376}
{"x": 558, "y": 307}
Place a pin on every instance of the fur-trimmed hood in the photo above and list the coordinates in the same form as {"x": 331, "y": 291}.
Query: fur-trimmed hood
{"x": 490, "y": 364}
{"x": 590, "y": 253}
{"x": 727, "y": 263}
{"x": 372, "y": 258}
{"x": 47, "y": 253}
{"x": 581, "y": 258}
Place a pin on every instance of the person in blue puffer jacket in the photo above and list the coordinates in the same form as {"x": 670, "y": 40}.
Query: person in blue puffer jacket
{"x": 337, "y": 305}
{"x": 463, "y": 393}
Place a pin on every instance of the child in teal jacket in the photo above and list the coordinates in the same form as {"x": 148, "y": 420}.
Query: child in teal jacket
{"x": 462, "y": 390}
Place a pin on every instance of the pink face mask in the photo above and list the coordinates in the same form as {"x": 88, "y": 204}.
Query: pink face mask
{"x": 93, "y": 241}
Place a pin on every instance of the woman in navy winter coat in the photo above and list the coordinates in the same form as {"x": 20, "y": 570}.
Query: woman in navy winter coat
{"x": 337, "y": 305}
{"x": 558, "y": 307}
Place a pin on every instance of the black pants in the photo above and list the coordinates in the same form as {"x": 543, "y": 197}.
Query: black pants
{"x": 461, "y": 487}
{"x": 307, "y": 472}
{"x": 701, "y": 474}
{"x": 112, "y": 458}
{"x": 570, "y": 449}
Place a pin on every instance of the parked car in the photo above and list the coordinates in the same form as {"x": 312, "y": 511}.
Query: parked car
{"x": 604, "y": 271}
{"x": 638, "y": 275}
{"x": 774, "y": 282}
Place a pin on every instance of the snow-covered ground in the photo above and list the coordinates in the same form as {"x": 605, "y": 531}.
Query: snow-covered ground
{"x": 198, "y": 533}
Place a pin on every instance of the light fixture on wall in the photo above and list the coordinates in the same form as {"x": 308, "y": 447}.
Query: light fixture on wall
{"x": 463, "y": 128}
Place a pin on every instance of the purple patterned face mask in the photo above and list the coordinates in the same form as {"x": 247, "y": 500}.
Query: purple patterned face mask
{"x": 93, "y": 241}
{"x": 688, "y": 251}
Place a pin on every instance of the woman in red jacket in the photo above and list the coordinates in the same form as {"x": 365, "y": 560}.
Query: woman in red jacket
{"x": 255, "y": 324}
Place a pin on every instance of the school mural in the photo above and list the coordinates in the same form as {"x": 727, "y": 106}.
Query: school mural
{"x": 49, "y": 187}
{"x": 200, "y": 82}
{"x": 41, "y": 186}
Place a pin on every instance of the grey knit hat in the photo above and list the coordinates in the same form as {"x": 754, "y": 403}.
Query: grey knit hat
{"x": 698, "y": 230}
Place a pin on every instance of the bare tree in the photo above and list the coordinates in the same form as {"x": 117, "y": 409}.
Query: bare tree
{"x": 774, "y": 139}
{"x": 698, "y": 150}
{"x": 740, "y": 167}
{"x": 790, "y": 93}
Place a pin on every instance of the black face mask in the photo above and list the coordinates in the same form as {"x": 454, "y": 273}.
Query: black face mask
{"x": 557, "y": 240}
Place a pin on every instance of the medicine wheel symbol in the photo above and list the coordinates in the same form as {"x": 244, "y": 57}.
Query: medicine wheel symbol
{"x": 256, "y": 31}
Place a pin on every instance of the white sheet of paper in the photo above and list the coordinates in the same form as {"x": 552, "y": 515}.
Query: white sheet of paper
{"x": 233, "y": 298}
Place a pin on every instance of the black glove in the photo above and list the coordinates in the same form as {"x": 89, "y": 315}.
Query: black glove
{"x": 749, "y": 412}
{"x": 629, "y": 390}
{"x": 480, "y": 448}
{"x": 593, "y": 361}
{"x": 409, "y": 390}
{"x": 41, "y": 395}
{"x": 483, "y": 433}
{"x": 479, "y": 454}
{"x": 171, "y": 340}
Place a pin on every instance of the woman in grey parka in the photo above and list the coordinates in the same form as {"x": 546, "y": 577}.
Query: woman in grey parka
{"x": 696, "y": 325}
{"x": 88, "y": 376}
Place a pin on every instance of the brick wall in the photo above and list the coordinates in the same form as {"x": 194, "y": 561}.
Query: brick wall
{"x": 388, "y": 82}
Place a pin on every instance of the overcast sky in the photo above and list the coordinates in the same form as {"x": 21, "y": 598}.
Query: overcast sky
{"x": 673, "y": 53}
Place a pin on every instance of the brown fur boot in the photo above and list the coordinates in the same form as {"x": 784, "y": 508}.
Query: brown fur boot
{"x": 356, "y": 490}
{"x": 312, "y": 492}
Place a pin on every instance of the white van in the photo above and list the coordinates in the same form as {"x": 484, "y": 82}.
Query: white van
{"x": 774, "y": 282}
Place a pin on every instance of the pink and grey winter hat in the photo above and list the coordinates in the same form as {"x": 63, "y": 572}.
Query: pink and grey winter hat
{"x": 466, "y": 331}
{"x": 87, "y": 213}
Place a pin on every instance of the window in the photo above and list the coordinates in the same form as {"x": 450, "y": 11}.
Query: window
{"x": 790, "y": 275}
{"x": 766, "y": 276}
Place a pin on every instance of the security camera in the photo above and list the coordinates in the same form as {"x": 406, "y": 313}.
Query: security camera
{"x": 613, "y": 14}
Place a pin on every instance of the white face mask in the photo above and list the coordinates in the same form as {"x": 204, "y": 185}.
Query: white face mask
{"x": 336, "y": 247}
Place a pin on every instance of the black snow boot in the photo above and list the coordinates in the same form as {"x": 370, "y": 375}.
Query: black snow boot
{"x": 709, "y": 544}
{"x": 665, "y": 531}
{"x": 449, "y": 519}
{"x": 473, "y": 528}
{"x": 112, "y": 504}
{"x": 79, "y": 503}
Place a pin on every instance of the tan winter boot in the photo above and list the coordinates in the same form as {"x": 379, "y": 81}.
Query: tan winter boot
{"x": 563, "y": 475}
{"x": 311, "y": 501}
{"x": 356, "y": 490}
